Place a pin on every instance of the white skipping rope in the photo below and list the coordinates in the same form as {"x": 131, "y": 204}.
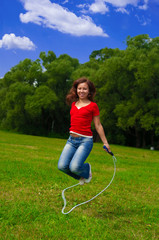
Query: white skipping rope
{"x": 63, "y": 196}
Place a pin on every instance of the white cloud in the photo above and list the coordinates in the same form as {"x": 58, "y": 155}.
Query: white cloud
{"x": 122, "y": 10}
{"x": 10, "y": 41}
{"x": 143, "y": 7}
{"x": 64, "y": 2}
{"x": 122, "y": 3}
{"x": 54, "y": 16}
{"x": 142, "y": 20}
{"x": 84, "y": 8}
{"x": 82, "y": 5}
{"x": 99, "y": 7}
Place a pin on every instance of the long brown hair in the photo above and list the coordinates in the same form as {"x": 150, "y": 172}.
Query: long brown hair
{"x": 72, "y": 95}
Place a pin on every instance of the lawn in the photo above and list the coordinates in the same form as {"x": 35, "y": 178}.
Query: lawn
{"x": 31, "y": 186}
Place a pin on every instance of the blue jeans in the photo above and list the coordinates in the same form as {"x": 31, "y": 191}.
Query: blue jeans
{"x": 74, "y": 155}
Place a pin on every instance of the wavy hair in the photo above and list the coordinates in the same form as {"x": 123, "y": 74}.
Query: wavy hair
{"x": 72, "y": 95}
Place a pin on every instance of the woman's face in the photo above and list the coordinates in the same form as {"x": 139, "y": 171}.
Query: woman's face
{"x": 83, "y": 91}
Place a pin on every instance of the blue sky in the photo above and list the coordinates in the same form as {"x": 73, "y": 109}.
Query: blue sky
{"x": 76, "y": 28}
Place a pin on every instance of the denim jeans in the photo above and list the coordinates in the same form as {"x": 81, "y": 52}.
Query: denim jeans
{"x": 74, "y": 155}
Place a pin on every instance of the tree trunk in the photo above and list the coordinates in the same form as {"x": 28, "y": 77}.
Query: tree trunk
{"x": 143, "y": 138}
{"x": 152, "y": 138}
{"x": 138, "y": 139}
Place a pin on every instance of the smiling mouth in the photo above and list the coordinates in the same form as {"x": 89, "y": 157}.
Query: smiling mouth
{"x": 81, "y": 95}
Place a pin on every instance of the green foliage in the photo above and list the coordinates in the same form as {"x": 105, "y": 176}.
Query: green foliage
{"x": 47, "y": 59}
{"x": 105, "y": 53}
{"x": 14, "y": 115}
{"x": 140, "y": 112}
{"x": 87, "y": 69}
{"x": 44, "y": 98}
{"x": 139, "y": 42}
{"x": 59, "y": 80}
{"x": 33, "y": 100}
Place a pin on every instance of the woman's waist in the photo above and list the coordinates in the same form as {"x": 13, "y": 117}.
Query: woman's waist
{"x": 76, "y": 134}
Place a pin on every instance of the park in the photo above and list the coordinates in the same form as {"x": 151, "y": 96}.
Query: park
{"x": 34, "y": 123}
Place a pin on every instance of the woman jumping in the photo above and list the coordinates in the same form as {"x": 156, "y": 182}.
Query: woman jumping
{"x": 80, "y": 142}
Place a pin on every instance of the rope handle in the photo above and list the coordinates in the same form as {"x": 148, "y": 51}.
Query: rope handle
{"x": 108, "y": 150}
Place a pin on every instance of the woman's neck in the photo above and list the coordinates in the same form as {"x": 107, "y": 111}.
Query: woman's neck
{"x": 83, "y": 101}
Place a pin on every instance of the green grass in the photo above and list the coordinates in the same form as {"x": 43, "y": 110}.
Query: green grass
{"x": 31, "y": 186}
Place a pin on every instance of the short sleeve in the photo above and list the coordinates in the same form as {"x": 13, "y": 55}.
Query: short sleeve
{"x": 73, "y": 104}
{"x": 95, "y": 110}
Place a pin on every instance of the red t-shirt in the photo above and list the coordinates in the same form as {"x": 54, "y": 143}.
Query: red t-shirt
{"x": 81, "y": 118}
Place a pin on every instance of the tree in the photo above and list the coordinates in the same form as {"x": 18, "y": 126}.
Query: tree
{"x": 47, "y": 59}
{"x": 87, "y": 69}
{"x": 16, "y": 85}
{"x": 14, "y": 116}
{"x": 105, "y": 53}
{"x": 139, "y": 114}
{"x": 112, "y": 81}
{"x": 59, "y": 80}
{"x": 40, "y": 108}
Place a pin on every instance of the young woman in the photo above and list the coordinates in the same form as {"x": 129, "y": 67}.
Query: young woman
{"x": 80, "y": 142}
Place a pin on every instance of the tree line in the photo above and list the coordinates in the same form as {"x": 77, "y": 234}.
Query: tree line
{"x": 32, "y": 93}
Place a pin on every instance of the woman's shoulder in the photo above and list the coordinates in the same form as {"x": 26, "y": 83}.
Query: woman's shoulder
{"x": 95, "y": 108}
{"x": 73, "y": 103}
{"x": 94, "y": 104}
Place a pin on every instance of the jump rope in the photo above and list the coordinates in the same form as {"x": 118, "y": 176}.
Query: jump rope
{"x": 63, "y": 196}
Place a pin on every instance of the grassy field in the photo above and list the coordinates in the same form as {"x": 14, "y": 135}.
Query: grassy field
{"x": 31, "y": 186}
